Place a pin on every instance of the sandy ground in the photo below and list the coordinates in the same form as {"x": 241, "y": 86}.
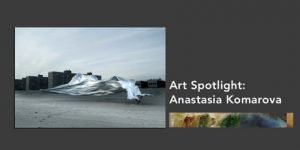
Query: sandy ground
{"x": 35, "y": 109}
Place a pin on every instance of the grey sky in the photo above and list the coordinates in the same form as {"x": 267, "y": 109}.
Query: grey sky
{"x": 135, "y": 53}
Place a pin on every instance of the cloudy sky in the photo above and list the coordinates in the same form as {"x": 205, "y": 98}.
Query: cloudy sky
{"x": 135, "y": 53}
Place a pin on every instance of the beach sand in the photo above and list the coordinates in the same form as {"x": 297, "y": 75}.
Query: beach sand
{"x": 36, "y": 109}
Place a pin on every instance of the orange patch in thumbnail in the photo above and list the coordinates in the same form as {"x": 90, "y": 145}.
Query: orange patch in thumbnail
{"x": 290, "y": 120}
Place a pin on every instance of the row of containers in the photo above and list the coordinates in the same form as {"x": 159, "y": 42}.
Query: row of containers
{"x": 230, "y": 120}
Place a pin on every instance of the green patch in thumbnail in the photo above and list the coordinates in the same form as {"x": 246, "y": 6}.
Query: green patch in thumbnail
{"x": 231, "y": 121}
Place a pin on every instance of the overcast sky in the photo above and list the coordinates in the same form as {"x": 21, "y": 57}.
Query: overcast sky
{"x": 135, "y": 53}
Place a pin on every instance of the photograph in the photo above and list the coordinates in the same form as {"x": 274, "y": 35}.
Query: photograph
{"x": 90, "y": 77}
{"x": 230, "y": 120}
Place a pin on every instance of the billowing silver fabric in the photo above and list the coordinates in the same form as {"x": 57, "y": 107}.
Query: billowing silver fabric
{"x": 82, "y": 84}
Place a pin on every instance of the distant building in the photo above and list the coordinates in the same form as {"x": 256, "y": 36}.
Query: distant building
{"x": 20, "y": 84}
{"x": 59, "y": 78}
{"x": 36, "y": 83}
{"x": 31, "y": 83}
{"x": 67, "y": 75}
{"x": 156, "y": 83}
{"x": 55, "y": 79}
{"x": 141, "y": 84}
{"x": 42, "y": 82}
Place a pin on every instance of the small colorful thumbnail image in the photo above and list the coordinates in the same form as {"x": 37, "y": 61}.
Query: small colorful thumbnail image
{"x": 230, "y": 120}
